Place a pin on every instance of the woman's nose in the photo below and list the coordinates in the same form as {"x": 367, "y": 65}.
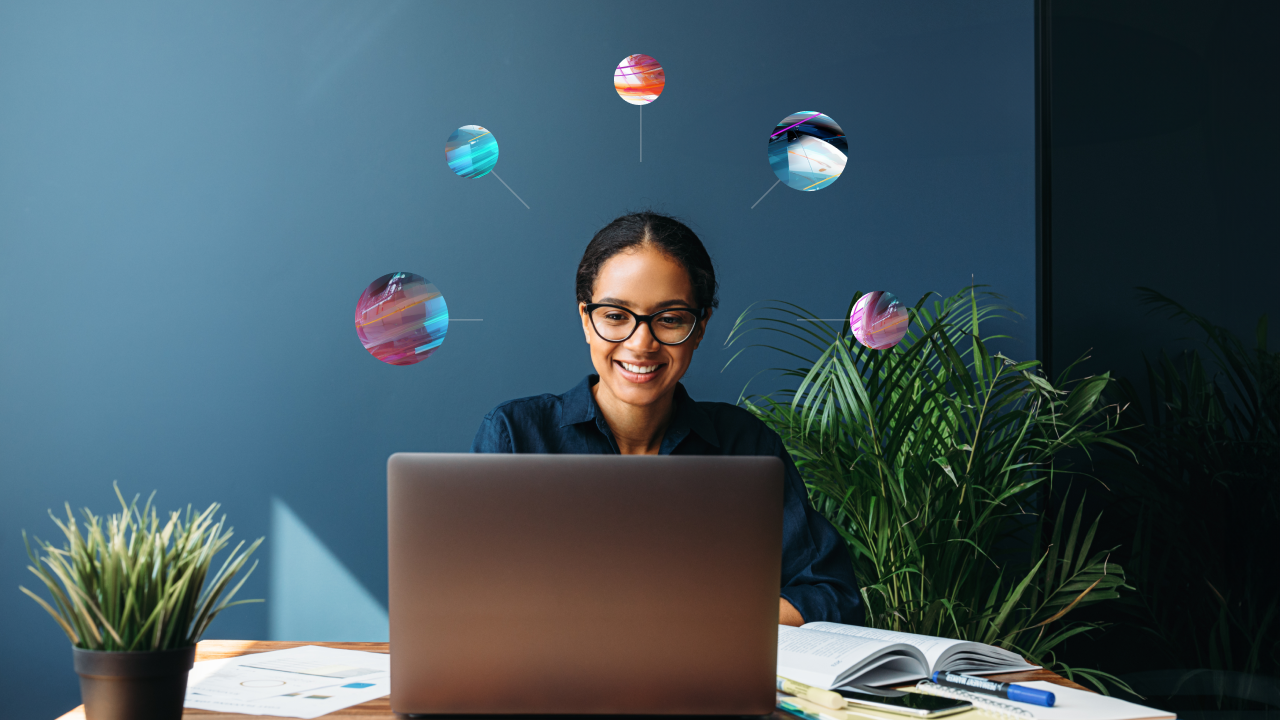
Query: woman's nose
{"x": 642, "y": 338}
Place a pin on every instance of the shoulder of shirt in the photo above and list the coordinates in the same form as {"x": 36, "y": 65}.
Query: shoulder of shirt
{"x": 733, "y": 420}
{"x": 534, "y": 405}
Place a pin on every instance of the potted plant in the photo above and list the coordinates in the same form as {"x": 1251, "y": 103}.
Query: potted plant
{"x": 134, "y": 596}
{"x": 935, "y": 459}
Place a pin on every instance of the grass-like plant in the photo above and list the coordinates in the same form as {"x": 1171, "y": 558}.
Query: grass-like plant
{"x": 1205, "y": 498}
{"x": 128, "y": 583}
{"x": 934, "y": 460}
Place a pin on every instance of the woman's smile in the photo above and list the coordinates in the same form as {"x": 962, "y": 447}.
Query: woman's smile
{"x": 640, "y": 372}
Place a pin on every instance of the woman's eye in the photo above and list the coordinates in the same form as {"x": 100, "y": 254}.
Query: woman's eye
{"x": 615, "y": 317}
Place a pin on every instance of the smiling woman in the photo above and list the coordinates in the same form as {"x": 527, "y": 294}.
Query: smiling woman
{"x": 646, "y": 291}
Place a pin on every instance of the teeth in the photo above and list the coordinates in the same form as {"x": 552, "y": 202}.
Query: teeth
{"x": 640, "y": 369}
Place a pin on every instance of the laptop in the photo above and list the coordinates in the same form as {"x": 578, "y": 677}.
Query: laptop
{"x": 583, "y": 584}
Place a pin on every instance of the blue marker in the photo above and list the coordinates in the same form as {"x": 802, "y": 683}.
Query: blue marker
{"x": 1009, "y": 691}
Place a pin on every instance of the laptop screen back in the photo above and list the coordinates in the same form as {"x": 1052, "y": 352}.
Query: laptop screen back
{"x": 584, "y": 583}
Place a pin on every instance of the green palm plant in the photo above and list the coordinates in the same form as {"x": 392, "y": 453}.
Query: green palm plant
{"x": 128, "y": 583}
{"x": 934, "y": 460}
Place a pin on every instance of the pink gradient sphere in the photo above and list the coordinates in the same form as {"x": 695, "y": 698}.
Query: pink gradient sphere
{"x": 401, "y": 318}
{"x": 878, "y": 320}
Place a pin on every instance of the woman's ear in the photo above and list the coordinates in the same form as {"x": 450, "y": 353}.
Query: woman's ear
{"x": 586, "y": 322}
{"x": 702, "y": 329}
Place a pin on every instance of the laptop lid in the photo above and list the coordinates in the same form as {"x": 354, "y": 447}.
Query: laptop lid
{"x": 556, "y": 584}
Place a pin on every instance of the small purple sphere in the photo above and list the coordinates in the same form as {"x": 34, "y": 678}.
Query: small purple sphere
{"x": 878, "y": 320}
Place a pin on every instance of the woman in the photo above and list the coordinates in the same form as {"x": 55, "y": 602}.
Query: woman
{"x": 646, "y": 289}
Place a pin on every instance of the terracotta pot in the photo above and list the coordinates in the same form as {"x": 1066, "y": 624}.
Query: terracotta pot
{"x": 148, "y": 685}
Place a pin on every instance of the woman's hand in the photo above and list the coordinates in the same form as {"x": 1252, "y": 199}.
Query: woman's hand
{"x": 788, "y": 615}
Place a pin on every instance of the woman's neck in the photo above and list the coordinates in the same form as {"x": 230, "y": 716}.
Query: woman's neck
{"x": 638, "y": 429}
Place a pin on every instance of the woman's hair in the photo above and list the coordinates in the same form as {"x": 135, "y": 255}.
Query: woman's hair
{"x": 667, "y": 234}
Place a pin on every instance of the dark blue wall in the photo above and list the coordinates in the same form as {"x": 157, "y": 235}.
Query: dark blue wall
{"x": 193, "y": 195}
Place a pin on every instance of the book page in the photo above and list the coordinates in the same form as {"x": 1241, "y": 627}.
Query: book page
{"x": 825, "y": 659}
{"x": 818, "y": 658}
{"x": 891, "y": 669}
{"x": 932, "y": 647}
{"x": 996, "y": 661}
{"x": 823, "y": 645}
{"x": 942, "y": 653}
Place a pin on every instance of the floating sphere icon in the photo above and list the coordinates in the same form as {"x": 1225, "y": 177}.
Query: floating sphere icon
{"x": 878, "y": 320}
{"x": 808, "y": 151}
{"x": 471, "y": 151}
{"x": 639, "y": 79}
{"x": 401, "y": 318}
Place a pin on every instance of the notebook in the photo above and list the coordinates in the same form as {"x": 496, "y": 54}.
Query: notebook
{"x": 1069, "y": 704}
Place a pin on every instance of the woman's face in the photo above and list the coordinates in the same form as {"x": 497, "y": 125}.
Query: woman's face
{"x": 640, "y": 370}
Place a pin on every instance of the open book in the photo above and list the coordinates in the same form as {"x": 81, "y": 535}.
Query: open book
{"x": 831, "y": 655}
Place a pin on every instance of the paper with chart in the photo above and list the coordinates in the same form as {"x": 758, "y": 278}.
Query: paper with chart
{"x": 237, "y": 682}
{"x": 306, "y": 704}
{"x": 306, "y": 666}
{"x": 301, "y": 682}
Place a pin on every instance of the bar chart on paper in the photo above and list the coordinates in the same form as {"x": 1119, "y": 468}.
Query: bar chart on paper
{"x": 304, "y": 667}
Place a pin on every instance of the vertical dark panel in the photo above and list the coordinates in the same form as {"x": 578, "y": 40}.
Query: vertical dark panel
{"x": 1044, "y": 184}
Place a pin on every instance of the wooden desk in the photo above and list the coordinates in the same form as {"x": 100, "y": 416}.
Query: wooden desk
{"x": 380, "y": 709}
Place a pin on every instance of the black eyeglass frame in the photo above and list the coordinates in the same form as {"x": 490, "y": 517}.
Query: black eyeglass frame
{"x": 646, "y": 319}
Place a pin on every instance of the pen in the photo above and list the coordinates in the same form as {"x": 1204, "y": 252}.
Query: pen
{"x": 825, "y": 698}
{"x": 1010, "y": 691}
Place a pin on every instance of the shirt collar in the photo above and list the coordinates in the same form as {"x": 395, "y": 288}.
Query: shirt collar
{"x": 689, "y": 416}
{"x": 579, "y": 406}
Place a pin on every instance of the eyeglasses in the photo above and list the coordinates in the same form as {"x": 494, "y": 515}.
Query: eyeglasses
{"x": 616, "y": 324}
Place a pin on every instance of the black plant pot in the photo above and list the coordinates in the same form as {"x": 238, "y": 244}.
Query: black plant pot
{"x": 148, "y": 685}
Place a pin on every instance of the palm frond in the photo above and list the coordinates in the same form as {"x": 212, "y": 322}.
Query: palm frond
{"x": 934, "y": 457}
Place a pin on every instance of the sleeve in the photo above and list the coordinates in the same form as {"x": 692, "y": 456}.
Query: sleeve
{"x": 494, "y": 435}
{"x": 817, "y": 572}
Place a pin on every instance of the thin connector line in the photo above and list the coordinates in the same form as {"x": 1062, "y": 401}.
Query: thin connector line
{"x": 821, "y": 319}
{"x": 641, "y": 133}
{"x": 766, "y": 192}
{"x": 513, "y": 192}
{"x": 466, "y": 319}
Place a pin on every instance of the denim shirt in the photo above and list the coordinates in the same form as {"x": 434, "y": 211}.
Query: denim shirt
{"x": 817, "y": 575}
